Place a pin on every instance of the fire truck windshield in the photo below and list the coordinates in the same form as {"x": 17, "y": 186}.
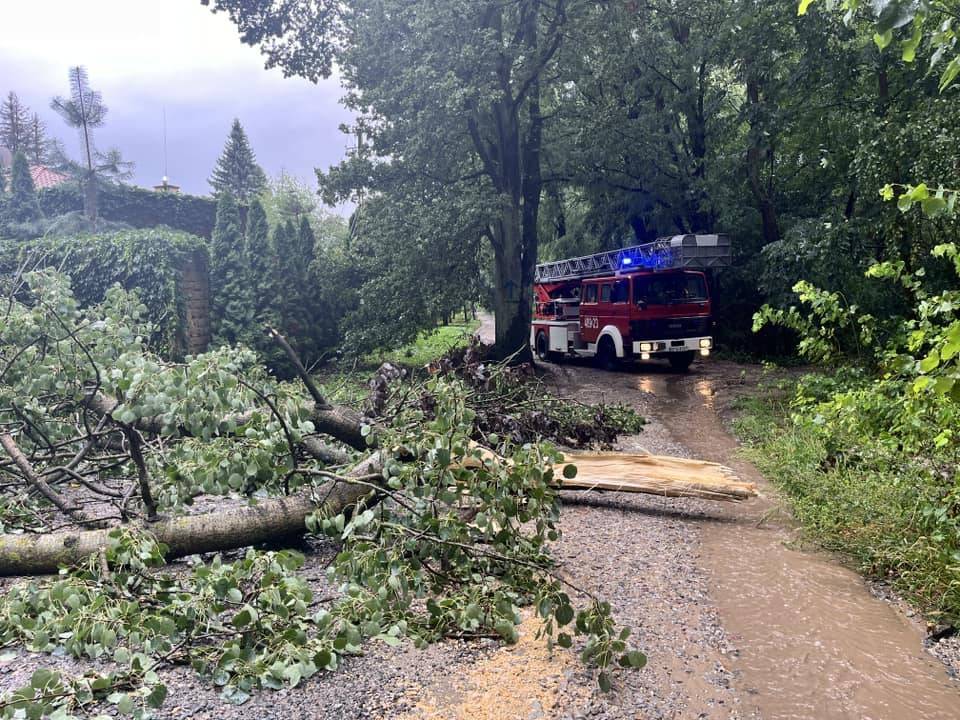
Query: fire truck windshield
{"x": 669, "y": 289}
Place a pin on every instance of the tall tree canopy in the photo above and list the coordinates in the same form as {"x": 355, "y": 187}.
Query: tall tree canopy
{"x": 85, "y": 111}
{"x": 560, "y": 127}
{"x": 14, "y": 124}
{"x": 237, "y": 171}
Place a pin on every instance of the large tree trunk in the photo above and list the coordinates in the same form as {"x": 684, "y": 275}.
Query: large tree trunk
{"x": 758, "y": 152}
{"x": 268, "y": 520}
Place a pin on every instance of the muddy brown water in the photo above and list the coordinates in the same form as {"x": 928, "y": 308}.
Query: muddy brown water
{"x": 813, "y": 641}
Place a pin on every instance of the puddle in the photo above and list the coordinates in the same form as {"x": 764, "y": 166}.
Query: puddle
{"x": 813, "y": 642}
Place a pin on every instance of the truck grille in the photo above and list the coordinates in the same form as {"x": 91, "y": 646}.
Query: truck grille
{"x": 666, "y": 328}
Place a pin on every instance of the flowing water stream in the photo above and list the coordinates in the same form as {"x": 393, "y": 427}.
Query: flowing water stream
{"x": 813, "y": 641}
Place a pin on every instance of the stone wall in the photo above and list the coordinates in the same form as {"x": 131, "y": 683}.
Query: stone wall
{"x": 195, "y": 286}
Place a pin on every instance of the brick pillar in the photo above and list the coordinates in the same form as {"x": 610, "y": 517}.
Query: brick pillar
{"x": 195, "y": 286}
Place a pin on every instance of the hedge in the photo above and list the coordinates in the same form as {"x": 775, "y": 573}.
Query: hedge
{"x": 136, "y": 206}
{"x": 150, "y": 261}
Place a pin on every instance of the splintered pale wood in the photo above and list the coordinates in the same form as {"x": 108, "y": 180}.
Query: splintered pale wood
{"x": 651, "y": 474}
{"x": 655, "y": 475}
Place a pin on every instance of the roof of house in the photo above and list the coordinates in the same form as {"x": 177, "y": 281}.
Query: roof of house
{"x": 44, "y": 177}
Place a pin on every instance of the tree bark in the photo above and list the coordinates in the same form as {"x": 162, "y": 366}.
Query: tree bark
{"x": 268, "y": 520}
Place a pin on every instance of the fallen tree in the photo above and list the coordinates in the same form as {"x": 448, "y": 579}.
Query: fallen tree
{"x": 107, "y": 446}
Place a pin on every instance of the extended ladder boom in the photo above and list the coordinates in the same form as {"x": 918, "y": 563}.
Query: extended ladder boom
{"x": 694, "y": 252}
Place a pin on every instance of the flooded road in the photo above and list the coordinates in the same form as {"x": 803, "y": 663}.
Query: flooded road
{"x": 813, "y": 641}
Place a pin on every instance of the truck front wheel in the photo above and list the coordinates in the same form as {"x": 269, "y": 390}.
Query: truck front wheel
{"x": 680, "y": 362}
{"x": 607, "y": 354}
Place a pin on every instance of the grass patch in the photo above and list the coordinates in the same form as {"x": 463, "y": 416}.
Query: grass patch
{"x": 346, "y": 383}
{"x": 894, "y": 516}
{"x": 428, "y": 347}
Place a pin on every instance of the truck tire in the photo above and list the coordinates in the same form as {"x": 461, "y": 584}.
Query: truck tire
{"x": 607, "y": 355}
{"x": 544, "y": 353}
{"x": 542, "y": 346}
{"x": 680, "y": 362}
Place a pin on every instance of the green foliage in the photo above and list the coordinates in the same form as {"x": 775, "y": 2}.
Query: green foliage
{"x": 138, "y": 207}
{"x": 231, "y": 300}
{"x": 475, "y": 568}
{"x": 875, "y": 448}
{"x": 459, "y": 542}
{"x": 429, "y": 345}
{"x": 21, "y": 205}
{"x": 236, "y": 171}
{"x": 913, "y": 24}
{"x": 150, "y": 261}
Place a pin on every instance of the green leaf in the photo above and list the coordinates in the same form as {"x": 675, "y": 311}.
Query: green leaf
{"x": 804, "y": 6}
{"x": 636, "y": 659}
{"x": 883, "y": 39}
{"x": 603, "y": 680}
{"x": 157, "y": 695}
{"x": 564, "y": 640}
{"x": 125, "y": 704}
{"x": 564, "y": 614}
{"x": 569, "y": 471}
{"x": 930, "y": 362}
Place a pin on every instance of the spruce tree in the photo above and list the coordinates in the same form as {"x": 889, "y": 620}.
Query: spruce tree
{"x": 14, "y": 124}
{"x": 21, "y": 205}
{"x": 230, "y": 301}
{"x": 258, "y": 258}
{"x": 237, "y": 171}
{"x": 38, "y": 146}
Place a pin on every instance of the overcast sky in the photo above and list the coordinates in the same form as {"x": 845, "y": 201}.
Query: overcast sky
{"x": 149, "y": 55}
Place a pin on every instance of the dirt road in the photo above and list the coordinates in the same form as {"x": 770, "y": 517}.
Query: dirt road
{"x": 805, "y": 637}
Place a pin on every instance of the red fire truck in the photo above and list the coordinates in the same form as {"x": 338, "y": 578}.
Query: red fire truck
{"x": 642, "y": 302}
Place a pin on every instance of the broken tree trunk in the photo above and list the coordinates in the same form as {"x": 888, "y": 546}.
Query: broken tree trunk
{"x": 656, "y": 475}
{"x": 268, "y": 520}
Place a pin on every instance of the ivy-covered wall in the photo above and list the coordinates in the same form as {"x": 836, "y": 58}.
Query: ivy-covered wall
{"x": 135, "y": 206}
{"x": 167, "y": 268}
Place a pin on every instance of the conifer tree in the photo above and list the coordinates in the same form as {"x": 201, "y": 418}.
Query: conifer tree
{"x": 21, "y": 206}
{"x": 237, "y": 170}
{"x": 258, "y": 257}
{"x": 14, "y": 124}
{"x": 38, "y": 145}
{"x": 230, "y": 302}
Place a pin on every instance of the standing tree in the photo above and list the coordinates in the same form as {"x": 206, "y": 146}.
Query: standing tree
{"x": 258, "y": 259}
{"x": 447, "y": 91}
{"x": 228, "y": 279}
{"x": 14, "y": 124}
{"x": 21, "y": 206}
{"x": 38, "y": 145}
{"x": 237, "y": 171}
{"x": 84, "y": 110}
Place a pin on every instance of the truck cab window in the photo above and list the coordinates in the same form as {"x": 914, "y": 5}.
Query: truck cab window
{"x": 621, "y": 291}
{"x": 669, "y": 289}
{"x": 590, "y": 294}
{"x": 605, "y": 293}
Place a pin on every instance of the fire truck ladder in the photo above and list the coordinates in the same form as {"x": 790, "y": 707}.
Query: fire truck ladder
{"x": 693, "y": 252}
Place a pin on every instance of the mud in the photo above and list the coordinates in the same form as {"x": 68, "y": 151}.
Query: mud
{"x": 813, "y": 641}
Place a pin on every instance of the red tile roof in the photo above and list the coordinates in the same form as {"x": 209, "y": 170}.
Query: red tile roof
{"x": 44, "y": 177}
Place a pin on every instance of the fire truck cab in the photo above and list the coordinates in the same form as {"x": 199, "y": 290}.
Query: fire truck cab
{"x": 642, "y": 302}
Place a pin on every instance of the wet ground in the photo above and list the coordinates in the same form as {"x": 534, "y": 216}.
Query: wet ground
{"x": 811, "y": 640}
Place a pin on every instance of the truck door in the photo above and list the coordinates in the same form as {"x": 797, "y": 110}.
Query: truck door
{"x": 589, "y": 319}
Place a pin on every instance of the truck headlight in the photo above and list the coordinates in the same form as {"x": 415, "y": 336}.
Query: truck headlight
{"x": 704, "y": 342}
{"x": 646, "y": 347}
